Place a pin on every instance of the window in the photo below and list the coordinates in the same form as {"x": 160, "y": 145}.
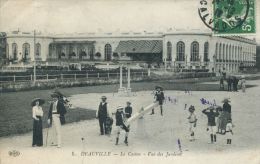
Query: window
{"x": 108, "y": 52}
{"x": 216, "y": 51}
{"x": 26, "y": 51}
{"x": 14, "y": 51}
{"x": 169, "y": 51}
{"x": 194, "y": 51}
{"x": 180, "y": 51}
{"x": 7, "y": 51}
{"x": 220, "y": 51}
{"x": 38, "y": 49}
{"x": 206, "y": 52}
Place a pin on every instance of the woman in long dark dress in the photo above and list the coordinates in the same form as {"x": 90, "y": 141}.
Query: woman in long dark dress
{"x": 37, "y": 115}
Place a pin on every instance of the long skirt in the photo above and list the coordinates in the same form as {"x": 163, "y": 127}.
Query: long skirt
{"x": 225, "y": 119}
{"x": 37, "y": 132}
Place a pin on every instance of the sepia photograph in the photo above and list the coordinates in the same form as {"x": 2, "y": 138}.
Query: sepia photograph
{"x": 129, "y": 81}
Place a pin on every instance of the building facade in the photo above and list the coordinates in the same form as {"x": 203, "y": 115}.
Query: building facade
{"x": 178, "y": 50}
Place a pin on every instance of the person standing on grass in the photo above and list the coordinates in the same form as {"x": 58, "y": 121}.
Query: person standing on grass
{"x": 193, "y": 122}
{"x": 211, "y": 114}
{"x": 56, "y": 112}
{"x": 37, "y": 115}
{"x": 102, "y": 114}
{"x": 159, "y": 96}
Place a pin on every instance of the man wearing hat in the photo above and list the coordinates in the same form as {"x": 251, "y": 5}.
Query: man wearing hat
{"x": 101, "y": 114}
{"x": 211, "y": 114}
{"x": 159, "y": 96}
{"x": 226, "y": 111}
{"x": 56, "y": 115}
{"x": 120, "y": 119}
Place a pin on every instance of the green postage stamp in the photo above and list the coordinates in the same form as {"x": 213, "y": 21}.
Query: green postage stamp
{"x": 228, "y": 17}
{"x": 234, "y": 16}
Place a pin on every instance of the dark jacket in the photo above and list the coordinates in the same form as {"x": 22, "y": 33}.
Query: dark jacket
{"x": 159, "y": 95}
{"x": 102, "y": 111}
{"x": 61, "y": 110}
{"x": 119, "y": 118}
{"x": 227, "y": 107}
{"x": 211, "y": 117}
{"x": 128, "y": 111}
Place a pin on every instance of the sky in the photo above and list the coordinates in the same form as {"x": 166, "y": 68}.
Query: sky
{"x": 70, "y": 16}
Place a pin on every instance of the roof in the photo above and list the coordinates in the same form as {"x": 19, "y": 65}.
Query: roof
{"x": 139, "y": 46}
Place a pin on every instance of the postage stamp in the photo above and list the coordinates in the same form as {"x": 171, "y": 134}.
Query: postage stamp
{"x": 228, "y": 17}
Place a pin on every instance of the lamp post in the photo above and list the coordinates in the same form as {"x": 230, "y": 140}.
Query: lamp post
{"x": 34, "y": 65}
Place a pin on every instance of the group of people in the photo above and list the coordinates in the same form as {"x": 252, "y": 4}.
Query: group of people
{"x": 232, "y": 83}
{"x": 106, "y": 121}
{"x": 56, "y": 117}
{"x": 223, "y": 125}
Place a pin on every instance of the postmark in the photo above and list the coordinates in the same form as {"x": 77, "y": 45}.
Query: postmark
{"x": 228, "y": 17}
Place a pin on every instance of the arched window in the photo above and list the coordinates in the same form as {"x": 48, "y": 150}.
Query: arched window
{"x": 226, "y": 55}
{"x": 108, "y": 52}
{"x": 220, "y": 51}
{"x": 38, "y": 49}
{"x": 180, "y": 51}
{"x": 169, "y": 51}
{"x": 216, "y": 51}
{"x": 14, "y": 51}
{"x": 26, "y": 51}
{"x": 194, "y": 51}
{"x": 206, "y": 52}
{"x": 6, "y": 51}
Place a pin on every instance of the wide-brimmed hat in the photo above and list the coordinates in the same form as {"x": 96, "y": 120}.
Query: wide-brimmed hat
{"x": 128, "y": 102}
{"x": 103, "y": 97}
{"x": 119, "y": 108}
{"x": 211, "y": 108}
{"x": 225, "y": 100}
{"x": 41, "y": 101}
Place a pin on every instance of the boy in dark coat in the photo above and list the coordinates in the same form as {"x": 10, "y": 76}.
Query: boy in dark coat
{"x": 120, "y": 123}
{"x": 128, "y": 109}
{"x": 211, "y": 114}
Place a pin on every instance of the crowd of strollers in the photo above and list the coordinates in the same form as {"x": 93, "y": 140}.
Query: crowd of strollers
{"x": 219, "y": 118}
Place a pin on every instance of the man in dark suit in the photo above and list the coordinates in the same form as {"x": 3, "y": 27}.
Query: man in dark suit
{"x": 101, "y": 114}
{"x": 56, "y": 115}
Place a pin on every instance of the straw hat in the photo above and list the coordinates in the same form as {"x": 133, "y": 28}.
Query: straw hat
{"x": 119, "y": 108}
{"x": 41, "y": 101}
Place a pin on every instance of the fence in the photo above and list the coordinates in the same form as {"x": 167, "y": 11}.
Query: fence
{"x": 74, "y": 76}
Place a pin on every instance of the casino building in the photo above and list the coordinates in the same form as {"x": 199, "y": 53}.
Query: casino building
{"x": 179, "y": 50}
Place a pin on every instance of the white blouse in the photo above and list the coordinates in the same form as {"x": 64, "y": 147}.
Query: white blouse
{"x": 37, "y": 111}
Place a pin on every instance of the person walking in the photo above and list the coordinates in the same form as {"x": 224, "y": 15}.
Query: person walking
{"x": 120, "y": 123}
{"x": 229, "y": 82}
{"x": 193, "y": 122}
{"x": 56, "y": 112}
{"x": 221, "y": 84}
{"x": 159, "y": 96}
{"x": 37, "y": 114}
{"x": 243, "y": 84}
{"x": 102, "y": 114}
{"x": 211, "y": 114}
